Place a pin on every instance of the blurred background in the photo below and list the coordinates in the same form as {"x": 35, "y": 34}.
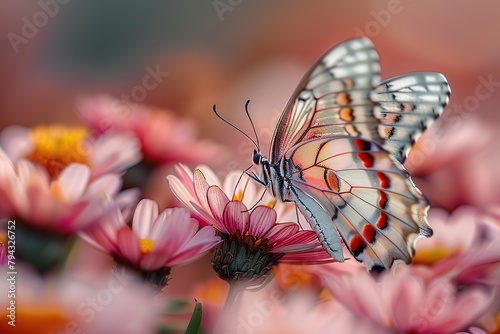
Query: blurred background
{"x": 194, "y": 54}
{"x": 227, "y": 51}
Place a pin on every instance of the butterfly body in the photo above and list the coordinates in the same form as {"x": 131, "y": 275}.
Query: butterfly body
{"x": 339, "y": 148}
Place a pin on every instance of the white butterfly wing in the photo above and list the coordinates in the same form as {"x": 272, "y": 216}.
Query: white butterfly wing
{"x": 341, "y": 97}
{"x": 406, "y": 106}
{"x": 335, "y": 92}
{"x": 357, "y": 184}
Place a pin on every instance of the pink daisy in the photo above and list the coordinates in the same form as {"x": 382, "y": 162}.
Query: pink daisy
{"x": 163, "y": 136}
{"x": 191, "y": 187}
{"x": 465, "y": 245}
{"x": 55, "y": 147}
{"x": 64, "y": 205}
{"x": 408, "y": 299}
{"x": 253, "y": 240}
{"x": 451, "y": 169}
{"x": 68, "y": 305}
{"x": 155, "y": 241}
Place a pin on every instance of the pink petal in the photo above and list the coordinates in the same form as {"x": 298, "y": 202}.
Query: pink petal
{"x": 210, "y": 176}
{"x": 281, "y": 232}
{"x": 262, "y": 219}
{"x": 173, "y": 228}
{"x": 186, "y": 177}
{"x": 359, "y": 293}
{"x": 144, "y": 216}
{"x": 217, "y": 201}
{"x": 108, "y": 184}
{"x": 126, "y": 199}
{"x": 103, "y": 235}
{"x": 185, "y": 193}
{"x": 154, "y": 260}
{"x": 16, "y": 142}
{"x": 113, "y": 152}
{"x": 203, "y": 241}
{"x": 201, "y": 187}
{"x": 300, "y": 241}
{"x": 236, "y": 217}
{"x": 73, "y": 180}
{"x": 87, "y": 212}
{"x": 28, "y": 172}
{"x": 315, "y": 256}
{"x": 464, "y": 310}
{"x": 128, "y": 245}
{"x": 407, "y": 295}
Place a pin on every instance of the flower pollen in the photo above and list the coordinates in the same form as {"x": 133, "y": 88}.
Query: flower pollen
{"x": 238, "y": 196}
{"x": 57, "y": 146}
{"x": 272, "y": 203}
{"x": 146, "y": 245}
{"x": 433, "y": 255}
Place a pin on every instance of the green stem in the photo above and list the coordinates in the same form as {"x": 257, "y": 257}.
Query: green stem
{"x": 232, "y": 294}
{"x": 64, "y": 261}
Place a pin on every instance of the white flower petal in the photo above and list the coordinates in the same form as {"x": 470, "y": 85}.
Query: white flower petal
{"x": 144, "y": 216}
{"x": 73, "y": 180}
{"x": 16, "y": 142}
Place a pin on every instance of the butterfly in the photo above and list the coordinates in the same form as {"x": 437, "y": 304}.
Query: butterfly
{"x": 338, "y": 152}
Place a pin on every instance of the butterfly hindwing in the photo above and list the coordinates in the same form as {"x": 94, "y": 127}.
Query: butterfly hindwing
{"x": 406, "y": 106}
{"x": 355, "y": 187}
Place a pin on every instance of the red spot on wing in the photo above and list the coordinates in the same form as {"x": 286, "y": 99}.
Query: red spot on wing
{"x": 366, "y": 159}
{"x": 356, "y": 245}
{"x": 381, "y": 221}
{"x": 382, "y": 201}
{"x": 369, "y": 233}
{"x": 362, "y": 145}
{"x": 383, "y": 180}
{"x": 332, "y": 180}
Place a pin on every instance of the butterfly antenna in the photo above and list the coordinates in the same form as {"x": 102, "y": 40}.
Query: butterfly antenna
{"x": 239, "y": 179}
{"x": 253, "y": 126}
{"x": 259, "y": 200}
{"x": 234, "y": 127}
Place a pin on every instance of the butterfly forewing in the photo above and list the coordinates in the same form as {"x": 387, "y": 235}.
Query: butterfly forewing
{"x": 338, "y": 150}
{"x": 330, "y": 97}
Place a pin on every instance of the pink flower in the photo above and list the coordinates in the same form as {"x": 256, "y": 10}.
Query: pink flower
{"x": 409, "y": 299}
{"x": 270, "y": 311}
{"x": 155, "y": 240}
{"x": 465, "y": 245}
{"x": 473, "y": 330}
{"x": 67, "y": 305}
{"x": 455, "y": 162}
{"x": 191, "y": 189}
{"x": 55, "y": 147}
{"x": 253, "y": 240}
{"x": 454, "y": 233}
{"x": 64, "y": 205}
{"x": 164, "y": 137}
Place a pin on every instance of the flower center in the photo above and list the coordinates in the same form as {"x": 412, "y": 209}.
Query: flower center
{"x": 433, "y": 255}
{"x": 57, "y": 146}
{"x": 243, "y": 258}
{"x": 146, "y": 245}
